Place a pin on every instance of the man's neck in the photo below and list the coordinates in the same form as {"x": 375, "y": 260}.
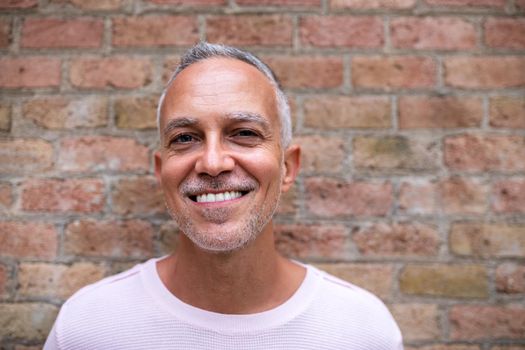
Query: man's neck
{"x": 250, "y": 280}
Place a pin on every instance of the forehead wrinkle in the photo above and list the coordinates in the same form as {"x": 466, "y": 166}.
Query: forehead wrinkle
{"x": 248, "y": 117}
{"x": 179, "y": 122}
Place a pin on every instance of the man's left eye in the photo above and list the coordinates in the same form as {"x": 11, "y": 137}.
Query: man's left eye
{"x": 245, "y": 133}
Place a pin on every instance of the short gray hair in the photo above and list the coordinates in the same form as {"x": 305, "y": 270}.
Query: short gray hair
{"x": 204, "y": 50}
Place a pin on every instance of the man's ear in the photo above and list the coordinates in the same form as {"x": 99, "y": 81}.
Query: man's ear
{"x": 292, "y": 163}
{"x": 158, "y": 166}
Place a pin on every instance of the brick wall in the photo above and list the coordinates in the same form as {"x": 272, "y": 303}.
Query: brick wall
{"x": 411, "y": 114}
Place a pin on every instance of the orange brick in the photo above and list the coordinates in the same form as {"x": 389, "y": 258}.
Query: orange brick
{"x": 507, "y": 112}
{"x": 308, "y": 3}
{"x": 24, "y": 156}
{"x": 393, "y": 72}
{"x": 150, "y": 30}
{"x": 18, "y": 4}
{"x": 371, "y": 4}
{"x": 341, "y": 31}
{"x": 136, "y": 112}
{"x": 314, "y": 150}
{"x": 140, "y": 195}
{"x": 59, "y": 33}
{"x": 509, "y": 196}
{"x": 5, "y": 33}
{"x": 6, "y": 195}
{"x": 28, "y": 240}
{"x": 96, "y": 5}
{"x": 467, "y": 3}
{"x": 441, "y": 33}
{"x": 505, "y": 33}
{"x": 484, "y": 72}
{"x": 189, "y": 2}
{"x": 29, "y": 72}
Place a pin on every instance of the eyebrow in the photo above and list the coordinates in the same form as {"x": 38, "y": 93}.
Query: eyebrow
{"x": 240, "y": 116}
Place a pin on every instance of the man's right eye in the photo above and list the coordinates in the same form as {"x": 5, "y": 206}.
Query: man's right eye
{"x": 183, "y": 138}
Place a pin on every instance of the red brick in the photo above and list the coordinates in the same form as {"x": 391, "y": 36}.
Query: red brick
{"x": 449, "y": 281}
{"x": 97, "y": 5}
{"x": 299, "y": 72}
{"x": 289, "y": 202}
{"x": 312, "y": 241}
{"x": 509, "y": 196}
{"x": 488, "y": 240}
{"x": 393, "y": 72}
{"x": 484, "y": 72}
{"x": 24, "y": 156}
{"x": 336, "y": 112}
{"x": 60, "y": 33}
{"x": 308, "y": 3}
{"x": 440, "y": 111}
{"x": 102, "y": 153}
{"x": 261, "y": 30}
{"x": 314, "y": 151}
{"x": 485, "y": 152}
{"x": 5, "y": 33}
{"x": 450, "y": 196}
{"x": 155, "y": 31}
{"x": 141, "y": 195}
{"x": 170, "y": 63}
{"x": 117, "y": 71}
{"x": 117, "y": 239}
{"x": 401, "y": 239}
{"x": 136, "y": 112}
{"x": 29, "y": 321}
{"x": 417, "y": 321}
{"x": 6, "y": 195}
{"x": 189, "y": 2}
{"x": 505, "y": 33}
{"x": 507, "y": 112}
{"x": 342, "y": 31}
{"x": 335, "y": 198}
{"x": 467, "y": 3}
{"x": 441, "y": 33}
{"x": 477, "y": 322}
{"x": 372, "y": 4}
{"x": 508, "y": 347}
{"x": 520, "y": 4}
{"x": 510, "y": 278}
{"x": 18, "y": 4}
{"x": 373, "y": 277}
{"x": 395, "y": 153}
{"x": 58, "y": 281}
{"x": 71, "y": 195}
{"x": 29, "y": 72}
{"x": 33, "y": 240}
{"x": 57, "y": 112}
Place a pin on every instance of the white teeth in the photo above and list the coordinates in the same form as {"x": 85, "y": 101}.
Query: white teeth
{"x": 217, "y": 197}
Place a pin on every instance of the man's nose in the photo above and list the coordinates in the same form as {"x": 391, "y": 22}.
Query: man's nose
{"x": 215, "y": 159}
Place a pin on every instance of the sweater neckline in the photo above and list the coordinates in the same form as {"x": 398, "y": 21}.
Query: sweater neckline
{"x": 230, "y": 323}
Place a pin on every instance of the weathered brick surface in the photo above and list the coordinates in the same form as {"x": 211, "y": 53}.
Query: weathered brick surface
{"x": 484, "y": 72}
{"x": 315, "y": 150}
{"x": 139, "y": 196}
{"x": 467, "y": 3}
{"x": 67, "y": 113}
{"x": 307, "y": 72}
{"x": 28, "y": 240}
{"x": 29, "y": 72}
{"x": 116, "y": 239}
{"x": 475, "y": 152}
{"x": 334, "y": 198}
{"x": 154, "y": 31}
{"x": 312, "y": 241}
{"x": 395, "y": 153}
{"x": 402, "y": 239}
{"x": 59, "y": 195}
{"x": 334, "y": 112}
{"x": 506, "y": 33}
{"x": 371, "y": 4}
{"x": 61, "y": 281}
{"x": 342, "y": 31}
{"x": 280, "y": 2}
{"x": 136, "y": 112}
{"x": 20, "y": 156}
{"x": 5, "y": 33}
{"x": 58, "y": 33}
{"x": 507, "y": 112}
{"x": 102, "y": 153}
{"x": 440, "y": 112}
{"x": 488, "y": 240}
{"x": 417, "y": 321}
{"x": 5, "y": 117}
{"x": 188, "y": 2}
{"x": 442, "y": 33}
{"x": 450, "y": 281}
{"x": 510, "y": 278}
{"x": 509, "y": 196}
{"x": 6, "y": 195}
{"x": 31, "y": 321}
{"x": 18, "y": 4}
{"x": 263, "y": 30}
{"x": 373, "y": 277}
{"x": 474, "y": 322}
{"x": 3, "y": 280}
{"x": 119, "y": 72}
{"x": 394, "y": 72}
{"x": 97, "y": 5}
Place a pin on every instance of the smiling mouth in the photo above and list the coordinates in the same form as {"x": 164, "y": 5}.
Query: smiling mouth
{"x": 217, "y": 197}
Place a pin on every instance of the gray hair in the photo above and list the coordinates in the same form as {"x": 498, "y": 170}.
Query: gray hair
{"x": 204, "y": 50}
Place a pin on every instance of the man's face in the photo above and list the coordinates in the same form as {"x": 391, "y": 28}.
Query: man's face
{"x": 221, "y": 164}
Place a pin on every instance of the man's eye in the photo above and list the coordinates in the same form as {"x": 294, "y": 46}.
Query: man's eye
{"x": 245, "y": 133}
{"x": 184, "y": 138}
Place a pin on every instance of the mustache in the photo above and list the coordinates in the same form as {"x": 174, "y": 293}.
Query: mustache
{"x": 221, "y": 183}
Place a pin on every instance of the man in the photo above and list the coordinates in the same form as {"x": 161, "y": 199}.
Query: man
{"x": 225, "y": 157}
